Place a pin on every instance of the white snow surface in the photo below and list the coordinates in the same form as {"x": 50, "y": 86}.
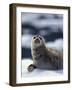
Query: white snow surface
{"x": 57, "y": 44}
{"x": 37, "y": 72}
{"x": 26, "y": 41}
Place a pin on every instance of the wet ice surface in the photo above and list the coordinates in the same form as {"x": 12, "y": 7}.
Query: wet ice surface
{"x": 37, "y": 72}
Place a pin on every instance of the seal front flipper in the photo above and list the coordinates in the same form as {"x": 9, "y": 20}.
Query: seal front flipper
{"x": 31, "y": 67}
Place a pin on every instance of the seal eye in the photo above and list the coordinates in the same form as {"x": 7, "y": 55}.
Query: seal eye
{"x": 34, "y": 37}
{"x": 40, "y": 38}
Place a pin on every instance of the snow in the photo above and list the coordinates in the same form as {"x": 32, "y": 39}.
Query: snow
{"x": 37, "y": 72}
{"x": 57, "y": 44}
{"x": 26, "y": 41}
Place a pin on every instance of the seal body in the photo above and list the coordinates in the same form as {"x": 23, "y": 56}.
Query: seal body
{"x": 43, "y": 57}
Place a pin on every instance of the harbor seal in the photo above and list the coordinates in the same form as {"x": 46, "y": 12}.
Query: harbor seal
{"x": 43, "y": 57}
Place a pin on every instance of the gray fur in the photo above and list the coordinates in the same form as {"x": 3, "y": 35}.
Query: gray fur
{"x": 45, "y": 58}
